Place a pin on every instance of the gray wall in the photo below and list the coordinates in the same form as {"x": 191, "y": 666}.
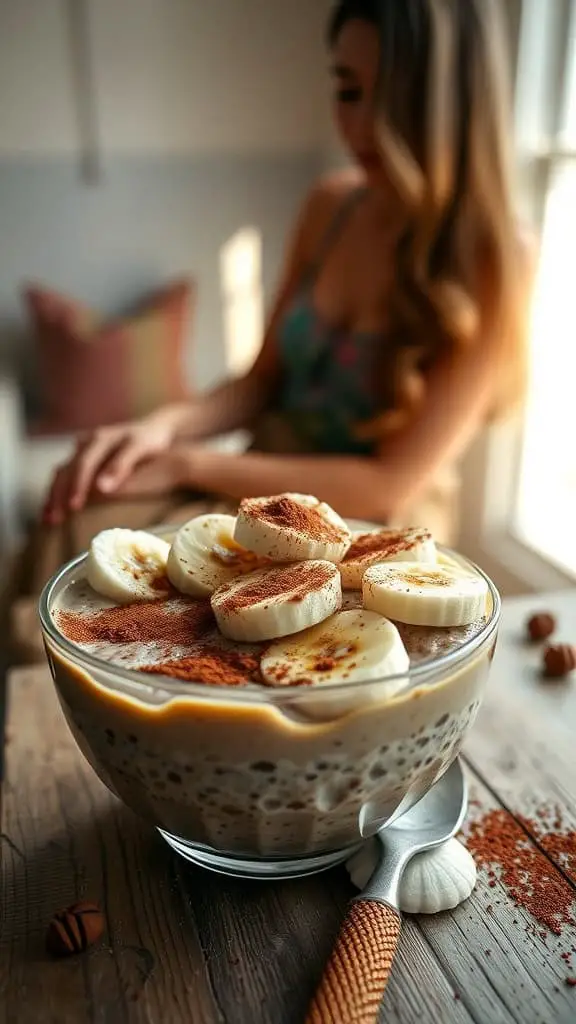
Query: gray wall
{"x": 210, "y": 116}
{"x": 150, "y": 219}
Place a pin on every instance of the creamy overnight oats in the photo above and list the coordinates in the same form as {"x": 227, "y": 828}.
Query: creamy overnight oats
{"x": 268, "y": 707}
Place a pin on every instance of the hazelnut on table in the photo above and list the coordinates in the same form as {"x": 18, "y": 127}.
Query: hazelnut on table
{"x": 540, "y": 626}
{"x": 75, "y": 928}
{"x": 559, "y": 660}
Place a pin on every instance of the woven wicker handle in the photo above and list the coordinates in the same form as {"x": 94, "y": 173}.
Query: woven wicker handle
{"x": 357, "y": 973}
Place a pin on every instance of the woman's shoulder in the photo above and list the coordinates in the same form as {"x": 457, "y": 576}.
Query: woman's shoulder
{"x": 339, "y": 183}
{"x": 324, "y": 199}
{"x": 331, "y": 190}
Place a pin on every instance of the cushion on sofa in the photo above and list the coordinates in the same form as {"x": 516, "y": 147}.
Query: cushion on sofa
{"x": 96, "y": 371}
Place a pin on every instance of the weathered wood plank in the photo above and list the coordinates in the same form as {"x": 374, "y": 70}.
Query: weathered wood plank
{"x": 66, "y": 838}
{"x": 182, "y": 945}
{"x": 532, "y": 772}
{"x": 521, "y": 755}
{"x": 282, "y": 961}
{"x": 516, "y": 670}
{"x": 522, "y": 745}
{"x": 493, "y": 955}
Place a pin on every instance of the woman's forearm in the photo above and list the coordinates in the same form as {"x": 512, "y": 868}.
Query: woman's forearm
{"x": 229, "y": 406}
{"x": 353, "y": 486}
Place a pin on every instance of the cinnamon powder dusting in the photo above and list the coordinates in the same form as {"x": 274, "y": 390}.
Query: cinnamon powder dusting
{"x": 145, "y": 623}
{"x": 386, "y": 543}
{"x": 325, "y": 665}
{"x": 147, "y": 570}
{"x": 427, "y": 578}
{"x": 212, "y": 666}
{"x": 293, "y": 581}
{"x": 161, "y": 585}
{"x": 291, "y": 515}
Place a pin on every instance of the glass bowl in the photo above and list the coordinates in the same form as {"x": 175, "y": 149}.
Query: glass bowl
{"x": 262, "y": 782}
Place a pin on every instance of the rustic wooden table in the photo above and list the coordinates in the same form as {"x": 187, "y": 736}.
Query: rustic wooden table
{"x": 184, "y": 946}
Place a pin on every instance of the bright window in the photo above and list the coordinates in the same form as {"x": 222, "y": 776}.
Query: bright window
{"x": 545, "y": 511}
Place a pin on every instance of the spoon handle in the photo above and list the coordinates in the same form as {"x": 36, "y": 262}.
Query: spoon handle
{"x": 357, "y": 973}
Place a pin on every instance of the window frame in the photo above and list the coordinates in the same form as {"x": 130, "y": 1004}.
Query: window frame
{"x": 489, "y": 530}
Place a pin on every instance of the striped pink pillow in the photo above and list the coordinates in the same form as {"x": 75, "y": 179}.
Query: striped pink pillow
{"x": 95, "y": 372}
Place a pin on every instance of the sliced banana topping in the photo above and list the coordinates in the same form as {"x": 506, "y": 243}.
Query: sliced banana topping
{"x": 292, "y": 528}
{"x": 204, "y": 556}
{"x": 424, "y": 595}
{"x": 128, "y": 565}
{"x": 349, "y": 647}
{"x": 367, "y": 549}
{"x": 277, "y": 602}
{"x": 277, "y": 571}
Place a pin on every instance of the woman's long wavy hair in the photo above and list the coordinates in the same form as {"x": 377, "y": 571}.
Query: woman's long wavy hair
{"x": 442, "y": 115}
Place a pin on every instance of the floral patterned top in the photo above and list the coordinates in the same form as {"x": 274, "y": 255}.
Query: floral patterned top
{"x": 329, "y": 374}
{"x": 328, "y": 380}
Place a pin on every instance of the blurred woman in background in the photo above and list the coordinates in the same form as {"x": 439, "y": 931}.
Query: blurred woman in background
{"x": 398, "y": 325}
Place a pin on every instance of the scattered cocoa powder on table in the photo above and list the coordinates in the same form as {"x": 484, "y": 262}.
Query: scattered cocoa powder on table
{"x": 505, "y": 848}
{"x": 558, "y": 841}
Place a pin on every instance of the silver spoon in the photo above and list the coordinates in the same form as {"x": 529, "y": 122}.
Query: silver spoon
{"x": 357, "y": 973}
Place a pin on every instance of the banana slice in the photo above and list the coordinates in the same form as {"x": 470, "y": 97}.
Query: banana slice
{"x": 350, "y": 647}
{"x": 204, "y": 556}
{"x": 421, "y": 595}
{"x": 277, "y": 602}
{"x": 409, "y": 545}
{"x": 128, "y": 565}
{"x": 291, "y": 528}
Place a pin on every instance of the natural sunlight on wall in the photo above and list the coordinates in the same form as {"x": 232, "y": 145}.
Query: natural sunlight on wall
{"x": 243, "y": 302}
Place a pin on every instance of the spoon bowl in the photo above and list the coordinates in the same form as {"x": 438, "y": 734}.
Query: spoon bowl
{"x": 439, "y": 814}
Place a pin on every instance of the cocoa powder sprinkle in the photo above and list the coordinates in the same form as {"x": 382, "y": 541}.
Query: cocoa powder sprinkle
{"x": 325, "y": 665}
{"x": 427, "y": 578}
{"x": 504, "y": 847}
{"x": 386, "y": 543}
{"x": 212, "y": 666}
{"x": 161, "y": 585}
{"x": 292, "y": 581}
{"x": 144, "y": 623}
{"x": 291, "y": 515}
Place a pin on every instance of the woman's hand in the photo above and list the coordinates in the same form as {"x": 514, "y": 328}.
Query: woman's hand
{"x": 103, "y": 461}
{"x": 170, "y": 471}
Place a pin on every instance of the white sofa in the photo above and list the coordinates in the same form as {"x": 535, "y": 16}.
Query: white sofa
{"x": 27, "y": 463}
